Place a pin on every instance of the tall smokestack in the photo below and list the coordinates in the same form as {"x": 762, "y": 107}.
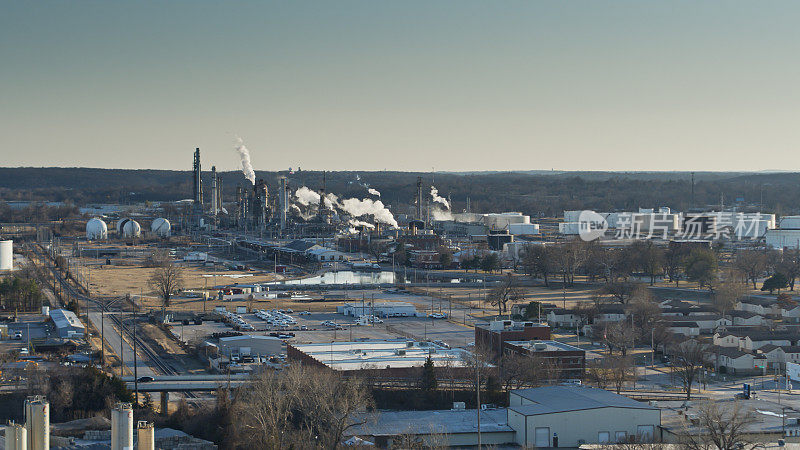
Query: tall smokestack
{"x": 419, "y": 198}
{"x": 283, "y": 201}
{"x": 198, "y": 182}
{"x": 214, "y": 192}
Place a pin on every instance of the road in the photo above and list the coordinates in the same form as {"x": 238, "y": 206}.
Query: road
{"x": 120, "y": 346}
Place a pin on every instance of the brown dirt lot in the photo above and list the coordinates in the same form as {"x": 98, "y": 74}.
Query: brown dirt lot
{"x": 116, "y": 281}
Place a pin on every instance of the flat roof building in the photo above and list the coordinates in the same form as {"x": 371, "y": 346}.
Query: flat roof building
{"x": 495, "y": 333}
{"x": 378, "y": 309}
{"x": 568, "y": 361}
{"x": 391, "y": 358}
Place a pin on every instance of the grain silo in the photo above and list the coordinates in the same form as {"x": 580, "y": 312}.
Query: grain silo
{"x": 122, "y": 427}
{"x": 37, "y": 422}
{"x": 6, "y": 255}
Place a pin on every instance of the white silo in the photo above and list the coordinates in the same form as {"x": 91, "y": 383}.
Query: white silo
{"x": 146, "y": 439}
{"x": 131, "y": 229}
{"x": 96, "y": 229}
{"x": 122, "y": 427}
{"x": 7, "y": 255}
{"x": 161, "y": 227}
{"x": 16, "y": 437}
{"x": 37, "y": 422}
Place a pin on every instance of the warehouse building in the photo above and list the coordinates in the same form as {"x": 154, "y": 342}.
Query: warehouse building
{"x": 552, "y": 416}
{"x": 397, "y": 358}
{"x": 67, "y": 323}
{"x": 383, "y": 309}
{"x": 250, "y": 345}
{"x": 570, "y": 416}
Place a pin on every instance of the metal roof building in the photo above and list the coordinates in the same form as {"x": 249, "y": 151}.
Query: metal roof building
{"x": 579, "y": 415}
{"x": 67, "y": 323}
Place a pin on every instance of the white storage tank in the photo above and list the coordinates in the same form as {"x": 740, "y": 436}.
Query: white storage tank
{"x": 146, "y": 439}
{"x": 161, "y": 227}
{"x": 37, "y": 422}
{"x": 523, "y": 228}
{"x": 96, "y": 229}
{"x": 122, "y": 427}
{"x": 790, "y": 223}
{"x": 16, "y": 437}
{"x": 7, "y": 255}
{"x": 131, "y": 229}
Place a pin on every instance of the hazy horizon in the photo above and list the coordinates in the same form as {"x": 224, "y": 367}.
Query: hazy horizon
{"x": 465, "y": 86}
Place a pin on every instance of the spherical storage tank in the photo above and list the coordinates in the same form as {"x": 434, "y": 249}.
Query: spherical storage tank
{"x": 130, "y": 228}
{"x": 160, "y": 227}
{"x": 96, "y": 229}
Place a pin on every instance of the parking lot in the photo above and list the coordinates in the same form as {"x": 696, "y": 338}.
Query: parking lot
{"x": 418, "y": 328}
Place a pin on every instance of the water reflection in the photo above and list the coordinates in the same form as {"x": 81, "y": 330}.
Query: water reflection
{"x": 345, "y": 277}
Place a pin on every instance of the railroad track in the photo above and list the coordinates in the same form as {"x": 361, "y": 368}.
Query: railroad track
{"x": 156, "y": 362}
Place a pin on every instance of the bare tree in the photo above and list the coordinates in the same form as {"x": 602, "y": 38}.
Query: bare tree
{"x": 689, "y": 360}
{"x": 166, "y": 281}
{"x": 518, "y": 371}
{"x": 620, "y": 369}
{"x": 620, "y": 336}
{"x": 720, "y": 426}
{"x": 623, "y": 291}
{"x": 673, "y": 263}
{"x": 300, "y": 407}
{"x": 506, "y": 291}
{"x": 752, "y": 263}
{"x": 729, "y": 291}
{"x": 537, "y": 260}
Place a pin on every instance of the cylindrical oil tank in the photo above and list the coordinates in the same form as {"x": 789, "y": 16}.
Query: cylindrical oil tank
{"x": 790, "y": 223}
{"x": 161, "y": 227}
{"x": 37, "y": 422}
{"x": 146, "y": 438}
{"x": 7, "y": 255}
{"x": 122, "y": 427}
{"x": 96, "y": 229}
{"x": 16, "y": 437}
{"x": 131, "y": 229}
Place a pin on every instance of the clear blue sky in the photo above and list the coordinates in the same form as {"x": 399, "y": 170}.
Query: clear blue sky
{"x": 403, "y": 85}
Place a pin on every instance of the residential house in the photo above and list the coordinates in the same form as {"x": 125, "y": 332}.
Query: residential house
{"x": 686, "y": 328}
{"x": 735, "y": 361}
{"x": 747, "y": 319}
{"x": 563, "y": 318}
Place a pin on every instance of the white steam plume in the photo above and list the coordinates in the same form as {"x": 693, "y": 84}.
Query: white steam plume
{"x": 361, "y": 223}
{"x": 244, "y": 154}
{"x": 439, "y": 214}
{"x": 306, "y": 196}
{"x": 374, "y": 192}
{"x": 358, "y": 208}
{"x": 438, "y": 199}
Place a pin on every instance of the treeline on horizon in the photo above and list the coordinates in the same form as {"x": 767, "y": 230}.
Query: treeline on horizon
{"x": 537, "y": 193}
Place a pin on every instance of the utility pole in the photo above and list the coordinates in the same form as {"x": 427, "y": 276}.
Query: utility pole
{"x": 478, "y": 394}
{"x": 135, "y": 360}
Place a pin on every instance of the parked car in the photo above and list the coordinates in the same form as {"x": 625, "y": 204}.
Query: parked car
{"x": 437, "y": 315}
{"x": 18, "y": 336}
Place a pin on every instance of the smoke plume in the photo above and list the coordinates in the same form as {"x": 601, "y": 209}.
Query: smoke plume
{"x": 244, "y": 154}
{"x": 438, "y": 199}
{"x": 374, "y": 192}
{"x": 358, "y": 208}
{"x": 306, "y": 196}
